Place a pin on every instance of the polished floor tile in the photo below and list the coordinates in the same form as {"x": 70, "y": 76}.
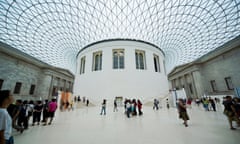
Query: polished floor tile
{"x": 87, "y": 126}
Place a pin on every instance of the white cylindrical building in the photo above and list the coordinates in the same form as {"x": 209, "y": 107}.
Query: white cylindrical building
{"x": 120, "y": 68}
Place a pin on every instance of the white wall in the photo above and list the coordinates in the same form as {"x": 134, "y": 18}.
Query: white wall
{"x": 128, "y": 82}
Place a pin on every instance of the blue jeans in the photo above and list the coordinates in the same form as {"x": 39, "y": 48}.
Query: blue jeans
{"x": 103, "y": 110}
{"x": 9, "y": 141}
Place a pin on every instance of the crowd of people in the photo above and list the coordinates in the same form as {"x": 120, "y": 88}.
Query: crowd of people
{"x": 231, "y": 108}
{"x": 208, "y": 103}
{"x": 39, "y": 111}
{"x": 17, "y": 115}
{"x": 131, "y": 107}
{"x": 71, "y": 104}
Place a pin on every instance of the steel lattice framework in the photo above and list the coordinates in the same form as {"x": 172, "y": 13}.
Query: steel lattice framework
{"x": 55, "y": 30}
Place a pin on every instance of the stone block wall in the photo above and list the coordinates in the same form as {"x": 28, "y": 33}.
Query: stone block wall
{"x": 16, "y": 66}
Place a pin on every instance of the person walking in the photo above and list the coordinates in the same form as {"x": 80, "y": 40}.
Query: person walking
{"x": 230, "y": 112}
{"x": 213, "y": 105}
{"x": 103, "y": 110}
{"x": 115, "y": 106}
{"x": 182, "y": 109}
{"x": 87, "y": 102}
{"x": 155, "y": 104}
{"x": 5, "y": 119}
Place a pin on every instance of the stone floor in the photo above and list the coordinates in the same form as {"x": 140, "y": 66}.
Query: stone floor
{"x": 86, "y": 126}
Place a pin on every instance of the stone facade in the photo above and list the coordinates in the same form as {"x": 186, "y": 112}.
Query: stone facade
{"x": 209, "y": 74}
{"x": 45, "y": 80}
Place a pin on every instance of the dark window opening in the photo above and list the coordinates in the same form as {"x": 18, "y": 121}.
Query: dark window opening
{"x": 213, "y": 85}
{"x": 229, "y": 83}
{"x": 32, "y": 89}
{"x": 1, "y": 83}
{"x": 190, "y": 88}
{"x": 17, "y": 88}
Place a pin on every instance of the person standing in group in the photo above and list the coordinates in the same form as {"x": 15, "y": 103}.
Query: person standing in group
{"x": 5, "y": 119}
{"x": 125, "y": 105}
{"x": 78, "y": 98}
{"x": 23, "y": 115}
{"x": 52, "y": 107}
{"x": 139, "y": 105}
{"x": 182, "y": 109}
{"x": 103, "y": 110}
{"x": 30, "y": 107}
{"x": 167, "y": 104}
{"x": 37, "y": 112}
{"x": 213, "y": 105}
{"x": 128, "y": 108}
{"x": 45, "y": 110}
{"x": 14, "y": 110}
{"x": 205, "y": 104}
{"x": 134, "y": 107}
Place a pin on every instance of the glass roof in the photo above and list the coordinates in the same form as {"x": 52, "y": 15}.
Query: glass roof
{"x": 55, "y": 30}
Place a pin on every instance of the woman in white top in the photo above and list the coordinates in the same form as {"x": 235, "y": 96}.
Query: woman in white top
{"x": 5, "y": 120}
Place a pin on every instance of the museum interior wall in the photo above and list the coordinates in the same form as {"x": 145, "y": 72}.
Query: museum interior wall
{"x": 29, "y": 78}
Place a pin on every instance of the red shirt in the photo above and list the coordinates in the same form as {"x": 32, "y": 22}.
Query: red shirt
{"x": 52, "y": 106}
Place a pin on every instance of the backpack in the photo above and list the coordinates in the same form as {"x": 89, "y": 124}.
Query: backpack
{"x": 23, "y": 110}
{"x": 12, "y": 110}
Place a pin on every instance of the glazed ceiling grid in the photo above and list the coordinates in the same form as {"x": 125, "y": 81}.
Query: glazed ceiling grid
{"x": 55, "y": 30}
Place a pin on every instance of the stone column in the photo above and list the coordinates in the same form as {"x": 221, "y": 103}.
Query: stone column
{"x": 43, "y": 86}
{"x": 197, "y": 84}
{"x": 64, "y": 85}
{"x": 186, "y": 86}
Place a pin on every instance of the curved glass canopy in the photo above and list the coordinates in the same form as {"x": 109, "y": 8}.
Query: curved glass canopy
{"x": 55, "y": 30}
